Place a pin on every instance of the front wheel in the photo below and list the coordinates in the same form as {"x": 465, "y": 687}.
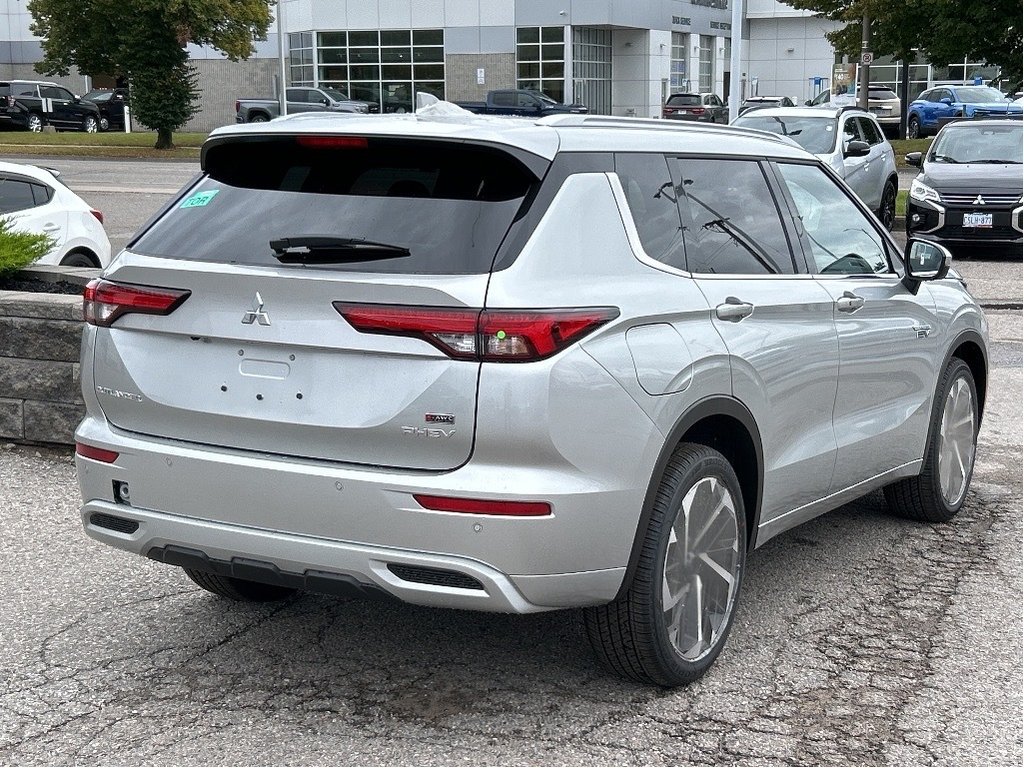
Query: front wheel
{"x": 887, "y": 211}
{"x": 914, "y": 128}
{"x": 35, "y": 123}
{"x": 90, "y": 124}
{"x": 938, "y": 493}
{"x": 104, "y": 124}
{"x": 673, "y": 622}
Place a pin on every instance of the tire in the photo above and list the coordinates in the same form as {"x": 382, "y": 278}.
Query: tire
{"x": 240, "y": 590}
{"x": 80, "y": 259}
{"x": 650, "y": 636}
{"x": 35, "y": 122}
{"x": 938, "y": 493}
{"x": 104, "y": 124}
{"x": 887, "y": 210}
{"x": 914, "y": 128}
{"x": 90, "y": 124}
{"x": 259, "y": 118}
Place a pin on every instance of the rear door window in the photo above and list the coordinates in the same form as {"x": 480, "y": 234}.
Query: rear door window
{"x": 731, "y": 223}
{"x": 15, "y": 195}
{"x": 448, "y": 204}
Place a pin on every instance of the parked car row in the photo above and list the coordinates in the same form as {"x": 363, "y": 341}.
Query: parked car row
{"x": 32, "y": 104}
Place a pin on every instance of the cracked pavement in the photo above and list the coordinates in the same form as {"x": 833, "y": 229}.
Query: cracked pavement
{"x": 861, "y": 638}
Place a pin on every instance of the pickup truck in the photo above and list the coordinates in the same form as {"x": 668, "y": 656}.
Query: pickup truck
{"x": 520, "y": 102}
{"x": 33, "y": 104}
{"x": 299, "y": 100}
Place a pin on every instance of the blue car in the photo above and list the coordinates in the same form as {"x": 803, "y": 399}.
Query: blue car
{"x": 933, "y": 108}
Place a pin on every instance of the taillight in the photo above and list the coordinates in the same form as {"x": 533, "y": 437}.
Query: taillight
{"x": 104, "y": 301}
{"x": 10, "y": 102}
{"x": 238, "y": 105}
{"x": 98, "y": 215}
{"x": 697, "y": 111}
{"x": 97, "y": 454}
{"x": 484, "y": 506}
{"x": 494, "y": 336}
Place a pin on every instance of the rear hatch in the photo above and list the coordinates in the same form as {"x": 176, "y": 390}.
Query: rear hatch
{"x": 257, "y": 356}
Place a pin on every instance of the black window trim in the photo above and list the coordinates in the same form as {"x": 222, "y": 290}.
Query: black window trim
{"x": 892, "y": 250}
{"x": 4, "y": 177}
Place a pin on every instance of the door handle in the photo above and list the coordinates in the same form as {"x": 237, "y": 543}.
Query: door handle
{"x": 849, "y": 302}
{"x": 733, "y": 310}
{"x": 51, "y": 228}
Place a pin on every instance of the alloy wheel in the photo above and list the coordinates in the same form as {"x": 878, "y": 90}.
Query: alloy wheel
{"x": 702, "y": 568}
{"x": 90, "y": 125}
{"x": 956, "y": 442}
{"x": 888, "y": 212}
{"x": 35, "y": 123}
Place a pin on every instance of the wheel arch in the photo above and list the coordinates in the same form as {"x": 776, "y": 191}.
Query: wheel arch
{"x": 725, "y": 424}
{"x": 970, "y": 347}
{"x": 87, "y": 252}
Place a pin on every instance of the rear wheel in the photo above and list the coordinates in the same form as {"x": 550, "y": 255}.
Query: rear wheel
{"x": 673, "y": 622}
{"x": 80, "y": 259}
{"x": 241, "y": 590}
{"x": 104, "y": 123}
{"x": 35, "y": 122}
{"x": 259, "y": 118}
{"x": 938, "y": 493}
{"x": 914, "y": 128}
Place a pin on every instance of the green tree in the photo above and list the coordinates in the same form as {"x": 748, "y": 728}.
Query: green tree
{"x": 946, "y": 31}
{"x": 144, "y": 41}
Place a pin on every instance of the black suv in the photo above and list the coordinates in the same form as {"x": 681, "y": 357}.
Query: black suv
{"x": 32, "y": 104}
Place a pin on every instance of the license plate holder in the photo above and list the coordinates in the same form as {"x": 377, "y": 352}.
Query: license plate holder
{"x": 978, "y": 221}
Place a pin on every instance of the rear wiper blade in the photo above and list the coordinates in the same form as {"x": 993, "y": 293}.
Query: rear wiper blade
{"x": 333, "y": 250}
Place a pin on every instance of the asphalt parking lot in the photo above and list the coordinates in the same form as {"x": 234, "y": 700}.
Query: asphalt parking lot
{"x": 861, "y": 638}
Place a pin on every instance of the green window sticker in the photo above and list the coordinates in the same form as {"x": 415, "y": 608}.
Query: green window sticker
{"x": 200, "y": 199}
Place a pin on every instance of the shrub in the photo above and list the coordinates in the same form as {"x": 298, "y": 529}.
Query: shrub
{"x": 19, "y": 249}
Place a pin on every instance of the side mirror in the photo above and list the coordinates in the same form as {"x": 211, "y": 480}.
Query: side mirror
{"x": 807, "y": 103}
{"x": 325, "y": 101}
{"x": 856, "y": 149}
{"x": 913, "y": 158}
{"x": 946, "y": 100}
{"x": 925, "y": 260}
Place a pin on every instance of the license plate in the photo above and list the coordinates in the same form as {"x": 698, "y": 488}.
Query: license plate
{"x": 978, "y": 220}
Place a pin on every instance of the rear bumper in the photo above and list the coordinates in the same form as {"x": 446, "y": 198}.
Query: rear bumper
{"x": 307, "y": 519}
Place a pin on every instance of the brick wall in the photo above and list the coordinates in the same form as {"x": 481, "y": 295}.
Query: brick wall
{"x": 40, "y": 395}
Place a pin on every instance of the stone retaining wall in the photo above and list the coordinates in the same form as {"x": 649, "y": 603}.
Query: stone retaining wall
{"x": 40, "y": 396}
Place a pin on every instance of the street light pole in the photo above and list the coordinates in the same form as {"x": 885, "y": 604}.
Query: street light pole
{"x": 283, "y": 102}
{"x": 736, "y": 37}
{"x": 865, "y": 61}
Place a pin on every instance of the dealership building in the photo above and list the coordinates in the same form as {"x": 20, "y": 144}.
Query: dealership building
{"x": 620, "y": 57}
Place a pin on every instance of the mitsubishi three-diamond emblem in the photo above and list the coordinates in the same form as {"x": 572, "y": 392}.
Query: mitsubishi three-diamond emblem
{"x": 256, "y": 314}
{"x": 979, "y": 201}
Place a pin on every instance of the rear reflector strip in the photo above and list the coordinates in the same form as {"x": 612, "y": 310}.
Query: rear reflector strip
{"x": 498, "y": 336}
{"x": 96, "y": 454}
{"x": 104, "y": 301}
{"x": 484, "y": 506}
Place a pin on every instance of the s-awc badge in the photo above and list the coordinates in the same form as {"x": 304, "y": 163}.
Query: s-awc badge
{"x": 439, "y": 418}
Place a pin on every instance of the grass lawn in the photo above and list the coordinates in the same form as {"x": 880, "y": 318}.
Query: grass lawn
{"x": 901, "y": 202}
{"x": 111, "y": 144}
{"x": 902, "y": 147}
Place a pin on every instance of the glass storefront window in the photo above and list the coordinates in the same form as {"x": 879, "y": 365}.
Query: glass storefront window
{"x": 540, "y": 60}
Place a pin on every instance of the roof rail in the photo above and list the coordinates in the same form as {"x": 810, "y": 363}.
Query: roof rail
{"x": 610, "y": 121}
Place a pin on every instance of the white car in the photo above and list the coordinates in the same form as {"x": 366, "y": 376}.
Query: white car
{"x": 847, "y": 139}
{"x": 35, "y": 200}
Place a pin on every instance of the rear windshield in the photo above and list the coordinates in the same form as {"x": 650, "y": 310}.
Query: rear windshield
{"x": 683, "y": 99}
{"x": 449, "y": 204}
{"x": 881, "y": 93}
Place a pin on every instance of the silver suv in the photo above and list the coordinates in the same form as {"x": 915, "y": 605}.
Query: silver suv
{"x": 849, "y": 140}
{"x": 518, "y": 366}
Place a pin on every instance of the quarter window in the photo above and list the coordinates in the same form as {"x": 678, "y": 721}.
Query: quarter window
{"x": 837, "y": 234}
{"x": 646, "y": 180}
{"x": 731, "y": 224}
